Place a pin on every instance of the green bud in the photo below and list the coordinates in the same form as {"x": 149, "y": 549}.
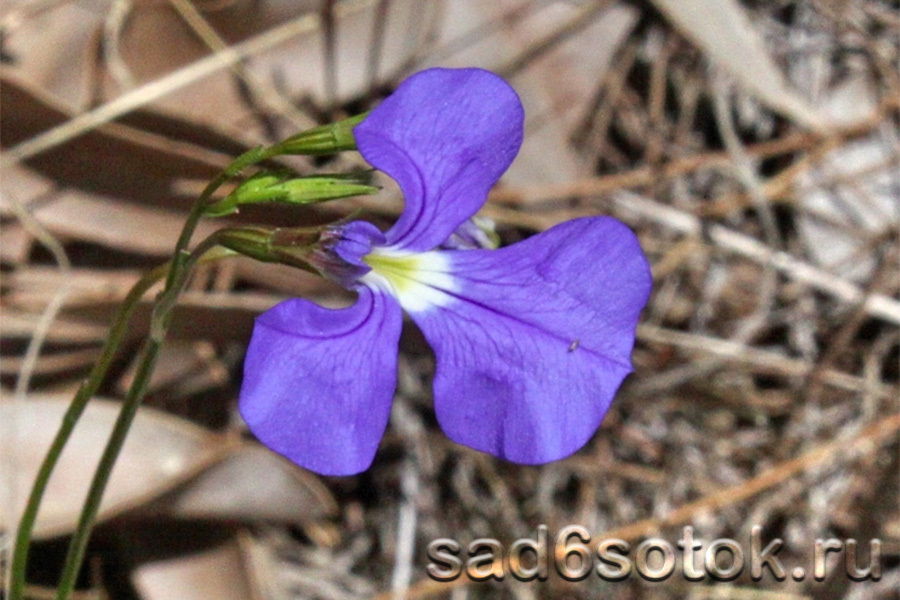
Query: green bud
{"x": 326, "y": 139}
{"x": 249, "y": 241}
{"x": 283, "y": 188}
{"x": 290, "y": 246}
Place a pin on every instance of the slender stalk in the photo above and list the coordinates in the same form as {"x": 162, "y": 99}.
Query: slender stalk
{"x": 98, "y": 373}
{"x": 85, "y": 391}
{"x": 88, "y": 388}
{"x": 181, "y": 253}
{"x": 162, "y": 316}
{"x": 175, "y": 273}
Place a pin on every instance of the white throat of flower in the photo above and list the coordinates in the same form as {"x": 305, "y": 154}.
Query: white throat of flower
{"x": 420, "y": 281}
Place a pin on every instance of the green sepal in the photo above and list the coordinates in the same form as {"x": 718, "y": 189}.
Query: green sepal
{"x": 326, "y": 139}
{"x": 285, "y": 188}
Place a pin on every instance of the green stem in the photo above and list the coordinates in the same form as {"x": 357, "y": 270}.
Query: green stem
{"x": 175, "y": 273}
{"x": 88, "y": 388}
{"x": 181, "y": 253}
{"x": 162, "y": 316}
{"x": 85, "y": 391}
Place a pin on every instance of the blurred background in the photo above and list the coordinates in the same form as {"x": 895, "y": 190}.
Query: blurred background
{"x": 752, "y": 146}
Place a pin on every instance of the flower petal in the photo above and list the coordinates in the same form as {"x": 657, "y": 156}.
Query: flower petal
{"x": 446, "y": 136}
{"x": 532, "y": 351}
{"x": 318, "y": 383}
{"x": 341, "y": 250}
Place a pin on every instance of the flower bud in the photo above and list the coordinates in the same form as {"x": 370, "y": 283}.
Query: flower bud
{"x": 334, "y": 251}
{"x": 281, "y": 187}
{"x": 285, "y": 246}
{"x": 326, "y": 139}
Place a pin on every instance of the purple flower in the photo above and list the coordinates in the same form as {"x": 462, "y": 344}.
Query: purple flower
{"x": 531, "y": 340}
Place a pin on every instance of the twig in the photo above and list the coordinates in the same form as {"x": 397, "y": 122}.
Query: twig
{"x": 406, "y": 531}
{"x": 329, "y": 52}
{"x": 584, "y": 18}
{"x": 165, "y": 85}
{"x": 379, "y": 23}
{"x": 876, "y": 305}
{"x": 119, "y": 11}
{"x": 772, "y": 362}
{"x": 645, "y": 176}
{"x": 265, "y": 92}
{"x": 866, "y": 442}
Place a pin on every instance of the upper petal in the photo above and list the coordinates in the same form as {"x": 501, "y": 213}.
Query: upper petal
{"x": 446, "y": 136}
{"x": 318, "y": 383}
{"x": 538, "y": 339}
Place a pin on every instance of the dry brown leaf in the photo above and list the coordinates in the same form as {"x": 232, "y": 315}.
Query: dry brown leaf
{"x": 31, "y": 287}
{"x": 15, "y": 244}
{"x": 252, "y": 484}
{"x": 116, "y": 160}
{"x": 109, "y": 222}
{"x": 218, "y": 573}
{"x": 61, "y": 68}
{"x": 553, "y": 89}
{"x": 161, "y": 451}
{"x": 178, "y": 361}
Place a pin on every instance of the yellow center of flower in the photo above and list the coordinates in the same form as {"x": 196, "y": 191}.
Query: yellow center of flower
{"x": 420, "y": 281}
{"x": 400, "y": 270}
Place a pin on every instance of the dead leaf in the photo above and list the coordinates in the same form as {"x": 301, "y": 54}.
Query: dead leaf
{"x": 116, "y": 160}
{"x": 252, "y": 484}
{"x": 161, "y": 451}
{"x": 218, "y": 573}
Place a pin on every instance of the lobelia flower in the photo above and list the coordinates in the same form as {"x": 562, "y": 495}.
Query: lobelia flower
{"x": 531, "y": 341}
